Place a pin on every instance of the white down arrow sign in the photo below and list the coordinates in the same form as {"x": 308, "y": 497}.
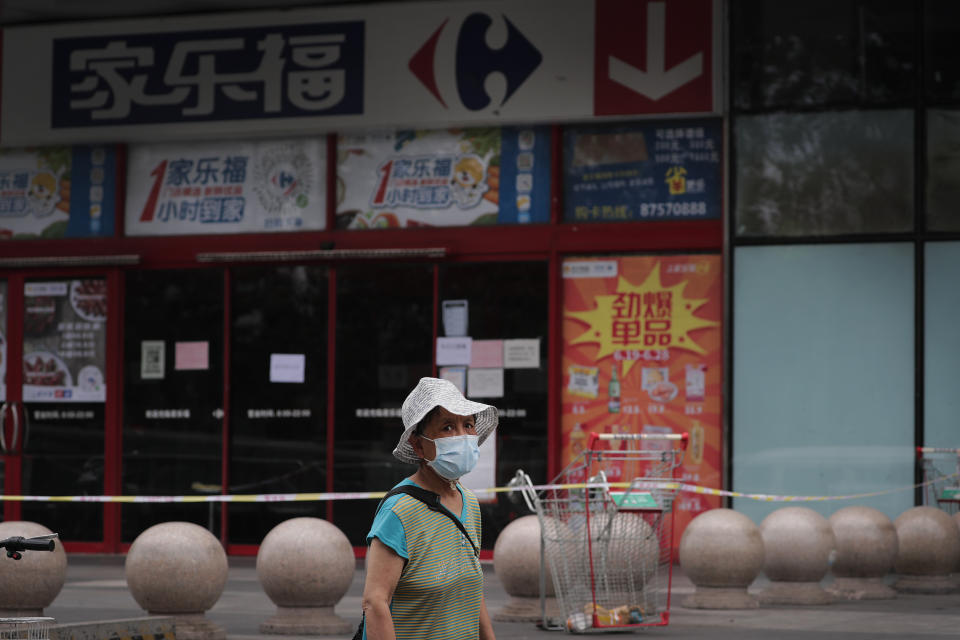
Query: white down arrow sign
{"x": 656, "y": 81}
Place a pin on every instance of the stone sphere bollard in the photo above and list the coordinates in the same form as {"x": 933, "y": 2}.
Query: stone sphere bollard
{"x": 516, "y": 561}
{"x": 797, "y": 545}
{"x": 866, "y": 548}
{"x": 178, "y": 569}
{"x": 928, "y": 551}
{"x": 30, "y": 584}
{"x": 305, "y": 566}
{"x": 721, "y": 551}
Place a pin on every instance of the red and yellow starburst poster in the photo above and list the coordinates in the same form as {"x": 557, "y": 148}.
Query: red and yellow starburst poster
{"x": 643, "y": 354}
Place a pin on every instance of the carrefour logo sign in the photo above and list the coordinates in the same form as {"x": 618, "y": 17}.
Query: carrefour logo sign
{"x": 456, "y": 61}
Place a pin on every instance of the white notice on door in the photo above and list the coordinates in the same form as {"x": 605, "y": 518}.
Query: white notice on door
{"x": 288, "y": 367}
{"x": 152, "y": 359}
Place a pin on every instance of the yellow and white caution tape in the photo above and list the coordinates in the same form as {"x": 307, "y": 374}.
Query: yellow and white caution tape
{"x": 366, "y": 495}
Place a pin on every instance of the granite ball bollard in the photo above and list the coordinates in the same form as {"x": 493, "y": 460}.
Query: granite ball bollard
{"x": 866, "y": 549}
{"x": 929, "y": 548}
{"x": 178, "y": 569}
{"x": 29, "y": 585}
{"x": 798, "y": 543}
{"x": 721, "y": 552}
{"x": 516, "y": 562}
{"x": 305, "y": 566}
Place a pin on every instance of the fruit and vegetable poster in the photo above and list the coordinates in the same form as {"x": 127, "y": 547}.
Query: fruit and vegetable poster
{"x": 226, "y": 187}
{"x": 64, "y": 340}
{"x": 642, "y": 354}
{"x": 57, "y": 192}
{"x": 444, "y": 178}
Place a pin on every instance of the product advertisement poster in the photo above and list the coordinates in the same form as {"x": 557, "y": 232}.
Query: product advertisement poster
{"x": 643, "y": 171}
{"x": 64, "y": 341}
{"x": 443, "y": 178}
{"x": 227, "y": 187}
{"x": 57, "y": 192}
{"x": 643, "y": 354}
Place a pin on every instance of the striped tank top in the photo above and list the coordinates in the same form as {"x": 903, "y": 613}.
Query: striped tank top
{"x": 440, "y": 591}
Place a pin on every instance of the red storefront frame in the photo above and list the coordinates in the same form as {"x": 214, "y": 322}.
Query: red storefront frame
{"x": 548, "y": 242}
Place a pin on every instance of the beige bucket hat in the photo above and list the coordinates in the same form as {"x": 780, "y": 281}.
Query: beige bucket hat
{"x": 433, "y": 392}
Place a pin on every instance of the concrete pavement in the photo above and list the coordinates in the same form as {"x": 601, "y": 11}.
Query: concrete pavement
{"x": 96, "y": 590}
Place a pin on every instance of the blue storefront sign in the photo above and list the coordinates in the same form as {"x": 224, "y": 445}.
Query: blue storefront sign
{"x": 228, "y": 74}
{"x": 643, "y": 171}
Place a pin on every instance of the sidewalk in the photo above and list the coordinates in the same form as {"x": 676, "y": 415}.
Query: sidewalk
{"x": 96, "y": 590}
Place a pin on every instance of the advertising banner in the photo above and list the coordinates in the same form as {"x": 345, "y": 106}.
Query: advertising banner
{"x": 444, "y": 178}
{"x": 362, "y": 67}
{"x": 64, "y": 341}
{"x": 226, "y": 187}
{"x": 57, "y": 192}
{"x": 657, "y": 171}
{"x": 3, "y": 341}
{"x": 642, "y": 354}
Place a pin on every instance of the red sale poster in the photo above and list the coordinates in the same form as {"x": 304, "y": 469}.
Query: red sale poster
{"x": 643, "y": 354}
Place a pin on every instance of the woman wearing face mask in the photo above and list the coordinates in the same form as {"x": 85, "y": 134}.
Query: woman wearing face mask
{"x": 424, "y": 581}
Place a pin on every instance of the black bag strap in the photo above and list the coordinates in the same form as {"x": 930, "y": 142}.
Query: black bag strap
{"x": 432, "y": 500}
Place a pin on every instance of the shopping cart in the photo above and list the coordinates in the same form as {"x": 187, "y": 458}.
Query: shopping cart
{"x": 941, "y": 477}
{"x": 608, "y": 543}
{"x": 25, "y": 628}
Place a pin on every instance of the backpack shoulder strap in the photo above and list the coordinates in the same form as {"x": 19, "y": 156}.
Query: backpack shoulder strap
{"x": 432, "y": 500}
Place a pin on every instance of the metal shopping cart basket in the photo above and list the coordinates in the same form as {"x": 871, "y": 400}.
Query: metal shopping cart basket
{"x": 608, "y": 542}
{"x": 941, "y": 477}
{"x": 25, "y": 628}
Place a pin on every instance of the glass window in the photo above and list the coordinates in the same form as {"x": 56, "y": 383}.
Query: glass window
{"x": 822, "y": 53}
{"x": 173, "y": 395}
{"x": 943, "y": 169}
{"x": 824, "y": 173}
{"x": 507, "y": 301}
{"x": 941, "y": 345}
{"x": 384, "y": 331}
{"x": 941, "y": 51}
{"x": 823, "y": 391}
{"x": 278, "y": 390}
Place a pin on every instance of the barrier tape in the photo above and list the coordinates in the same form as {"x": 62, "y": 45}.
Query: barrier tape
{"x": 366, "y": 495}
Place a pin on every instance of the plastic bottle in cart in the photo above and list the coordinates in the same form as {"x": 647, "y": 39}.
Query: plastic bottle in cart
{"x": 613, "y": 391}
{"x": 577, "y": 440}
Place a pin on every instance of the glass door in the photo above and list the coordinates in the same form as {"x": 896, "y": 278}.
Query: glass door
{"x": 172, "y": 441}
{"x": 55, "y": 354}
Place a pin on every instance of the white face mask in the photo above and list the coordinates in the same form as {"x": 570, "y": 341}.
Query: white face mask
{"x": 456, "y": 455}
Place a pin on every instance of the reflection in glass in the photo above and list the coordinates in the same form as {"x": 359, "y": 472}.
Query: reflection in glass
{"x": 172, "y": 413}
{"x": 822, "y": 53}
{"x": 384, "y": 332}
{"x": 278, "y": 414}
{"x": 943, "y": 170}
{"x": 824, "y": 173}
{"x": 941, "y": 51}
{"x": 508, "y": 300}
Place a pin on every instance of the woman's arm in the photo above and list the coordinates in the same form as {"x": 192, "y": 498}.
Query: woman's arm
{"x": 486, "y": 626}
{"x": 383, "y": 572}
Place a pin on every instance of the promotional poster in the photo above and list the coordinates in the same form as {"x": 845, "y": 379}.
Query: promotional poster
{"x": 643, "y": 354}
{"x": 226, "y": 187}
{"x": 643, "y": 171}
{"x": 64, "y": 341}
{"x": 57, "y": 192}
{"x": 444, "y": 178}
